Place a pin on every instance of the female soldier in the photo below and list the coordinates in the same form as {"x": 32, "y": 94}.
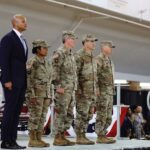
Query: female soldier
{"x": 38, "y": 92}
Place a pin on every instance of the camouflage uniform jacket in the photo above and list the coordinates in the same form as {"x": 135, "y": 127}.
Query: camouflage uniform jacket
{"x": 38, "y": 78}
{"x": 64, "y": 69}
{"x": 86, "y": 72}
{"x": 105, "y": 71}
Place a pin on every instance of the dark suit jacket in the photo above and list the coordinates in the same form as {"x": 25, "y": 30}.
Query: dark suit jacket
{"x": 13, "y": 60}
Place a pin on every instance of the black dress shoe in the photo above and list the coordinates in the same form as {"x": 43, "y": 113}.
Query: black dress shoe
{"x": 18, "y": 146}
{"x": 7, "y": 145}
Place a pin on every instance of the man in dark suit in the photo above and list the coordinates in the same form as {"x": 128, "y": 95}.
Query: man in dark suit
{"x": 13, "y": 57}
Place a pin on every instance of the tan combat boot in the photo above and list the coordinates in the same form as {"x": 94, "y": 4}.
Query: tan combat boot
{"x": 68, "y": 141}
{"x": 112, "y": 139}
{"x": 103, "y": 139}
{"x": 39, "y": 139}
{"x": 60, "y": 141}
{"x": 83, "y": 140}
{"x": 33, "y": 140}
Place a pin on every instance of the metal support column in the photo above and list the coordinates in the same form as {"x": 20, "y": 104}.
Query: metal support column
{"x": 52, "y": 110}
{"x": 118, "y": 110}
{"x": 148, "y": 100}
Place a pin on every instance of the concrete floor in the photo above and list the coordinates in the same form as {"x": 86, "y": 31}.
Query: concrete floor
{"x": 119, "y": 145}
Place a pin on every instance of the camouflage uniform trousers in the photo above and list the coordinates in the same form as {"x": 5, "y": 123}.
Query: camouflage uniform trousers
{"x": 37, "y": 114}
{"x": 104, "y": 106}
{"x": 84, "y": 105}
{"x": 64, "y": 104}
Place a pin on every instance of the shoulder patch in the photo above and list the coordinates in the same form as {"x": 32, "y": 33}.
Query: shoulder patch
{"x": 30, "y": 63}
{"x": 55, "y": 56}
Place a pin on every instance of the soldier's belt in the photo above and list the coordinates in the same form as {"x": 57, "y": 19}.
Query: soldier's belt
{"x": 90, "y": 77}
{"x": 68, "y": 80}
{"x": 41, "y": 82}
{"x": 106, "y": 78}
{"x": 107, "y": 84}
{"x": 42, "y": 87}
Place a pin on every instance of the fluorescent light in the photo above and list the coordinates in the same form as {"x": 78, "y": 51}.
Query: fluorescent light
{"x": 145, "y": 85}
{"x": 120, "y": 81}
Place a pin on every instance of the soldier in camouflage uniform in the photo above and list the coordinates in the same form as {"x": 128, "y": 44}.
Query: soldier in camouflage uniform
{"x": 106, "y": 88}
{"x": 38, "y": 92}
{"x": 86, "y": 87}
{"x": 64, "y": 80}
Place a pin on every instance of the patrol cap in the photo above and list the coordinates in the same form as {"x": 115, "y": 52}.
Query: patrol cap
{"x": 133, "y": 107}
{"x": 89, "y": 37}
{"x": 107, "y": 43}
{"x": 42, "y": 43}
{"x": 70, "y": 34}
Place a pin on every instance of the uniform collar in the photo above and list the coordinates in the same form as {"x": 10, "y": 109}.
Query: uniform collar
{"x": 86, "y": 53}
{"x": 102, "y": 54}
{"x": 41, "y": 60}
{"x": 67, "y": 50}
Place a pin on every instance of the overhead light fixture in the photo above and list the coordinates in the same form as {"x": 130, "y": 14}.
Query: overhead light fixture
{"x": 145, "y": 85}
{"x": 121, "y": 82}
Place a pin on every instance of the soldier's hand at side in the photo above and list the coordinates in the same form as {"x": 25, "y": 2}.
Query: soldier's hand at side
{"x": 60, "y": 90}
{"x": 33, "y": 101}
{"x": 8, "y": 85}
{"x": 97, "y": 93}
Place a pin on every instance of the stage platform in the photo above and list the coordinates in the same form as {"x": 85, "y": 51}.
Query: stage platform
{"x": 122, "y": 144}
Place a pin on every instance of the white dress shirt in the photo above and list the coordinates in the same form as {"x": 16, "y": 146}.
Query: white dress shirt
{"x": 21, "y": 39}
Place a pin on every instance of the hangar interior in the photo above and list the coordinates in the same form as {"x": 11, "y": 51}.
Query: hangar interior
{"x": 48, "y": 18}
